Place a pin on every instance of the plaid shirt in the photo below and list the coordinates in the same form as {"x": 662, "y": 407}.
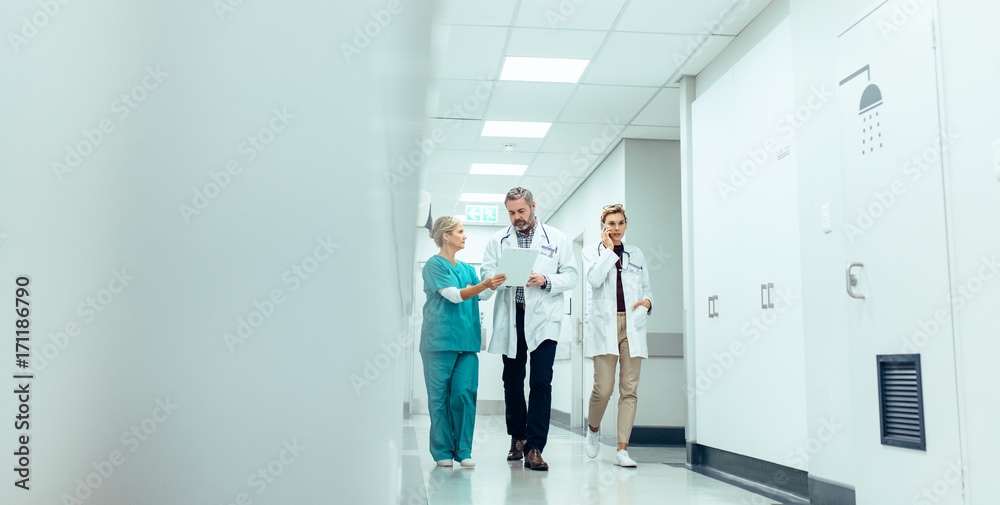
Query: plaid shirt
{"x": 524, "y": 242}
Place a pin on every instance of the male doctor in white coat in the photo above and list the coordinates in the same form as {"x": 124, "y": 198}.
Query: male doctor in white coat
{"x": 527, "y": 321}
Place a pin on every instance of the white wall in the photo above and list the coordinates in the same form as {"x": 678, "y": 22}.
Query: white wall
{"x": 815, "y": 27}
{"x": 970, "y": 48}
{"x": 644, "y": 175}
{"x": 653, "y": 204}
{"x": 159, "y": 340}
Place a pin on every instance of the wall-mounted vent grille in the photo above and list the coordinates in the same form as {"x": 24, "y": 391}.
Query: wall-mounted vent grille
{"x": 901, "y": 401}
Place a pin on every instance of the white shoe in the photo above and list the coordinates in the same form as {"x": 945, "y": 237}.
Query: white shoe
{"x": 592, "y": 444}
{"x": 467, "y": 463}
{"x": 444, "y": 462}
{"x": 622, "y": 459}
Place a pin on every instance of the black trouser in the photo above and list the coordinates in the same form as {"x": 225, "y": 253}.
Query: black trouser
{"x": 529, "y": 421}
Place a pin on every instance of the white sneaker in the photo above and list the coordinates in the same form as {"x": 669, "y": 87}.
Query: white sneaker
{"x": 622, "y": 459}
{"x": 592, "y": 444}
{"x": 467, "y": 463}
{"x": 444, "y": 462}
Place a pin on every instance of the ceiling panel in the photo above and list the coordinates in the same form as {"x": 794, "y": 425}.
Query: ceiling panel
{"x": 495, "y": 144}
{"x": 448, "y": 162}
{"x": 703, "y": 54}
{"x": 597, "y": 15}
{"x": 517, "y": 157}
{"x": 637, "y": 59}
{"x": 475, "y": 12}
{"x": 462, "y": 98}
{"x": 677, "y": 16}
{"x": 490, "y": 183}
{"x": 528, "y": 101}
{"x": 555, "y": 164}
{"x": 606, "y": 104}
{"x": 443, "y": 183}
{"x": 460, "y": 135}
{"x": 444, "y": 204}
{"x": 741, "y": 16}
{"x": 664, "y": 110}
{"x": 547, "y": 43}
{"x": 652, "y": 132}
{"x": 471, "y": 52}
{"x": 577, "y": 137}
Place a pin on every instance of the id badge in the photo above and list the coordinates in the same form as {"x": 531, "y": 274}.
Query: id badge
{"x": 632, "y": 267}
{"x": 549, "y": 251}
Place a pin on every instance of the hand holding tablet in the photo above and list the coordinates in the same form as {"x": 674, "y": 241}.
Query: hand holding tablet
{"x": 516, "y": 264}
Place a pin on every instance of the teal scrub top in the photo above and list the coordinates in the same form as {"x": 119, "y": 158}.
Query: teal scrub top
{"x": 449, "y": 326}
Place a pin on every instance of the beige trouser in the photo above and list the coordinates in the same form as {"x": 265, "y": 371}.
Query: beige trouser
{"x": 604, "y": 384}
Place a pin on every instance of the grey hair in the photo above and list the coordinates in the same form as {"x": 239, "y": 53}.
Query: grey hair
{"x": 519, "y": 192}
{"x": 442, "y": 225}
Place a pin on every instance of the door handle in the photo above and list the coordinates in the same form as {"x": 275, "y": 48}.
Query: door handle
{"x": 763, "y": 304}
{"x": 712, "y": 300}
{"x": 852, "y": 280}
{"x": 770, "y": 286}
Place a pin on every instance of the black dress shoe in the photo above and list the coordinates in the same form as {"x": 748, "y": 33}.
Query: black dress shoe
{"x": 534, "y": 461}
{"x": 516, "y": 449}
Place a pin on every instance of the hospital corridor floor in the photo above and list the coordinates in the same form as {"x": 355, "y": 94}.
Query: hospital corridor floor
{"x": 572, "y": 478}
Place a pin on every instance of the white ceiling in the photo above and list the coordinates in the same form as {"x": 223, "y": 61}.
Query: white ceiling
{"x": 638, "y": 50}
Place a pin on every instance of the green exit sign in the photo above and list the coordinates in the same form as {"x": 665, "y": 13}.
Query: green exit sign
{"x": 481, "y": 213}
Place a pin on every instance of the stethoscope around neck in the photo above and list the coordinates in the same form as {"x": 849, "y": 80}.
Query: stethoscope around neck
{"x": 624, "y": 252}
{"x": 511, "y": 228}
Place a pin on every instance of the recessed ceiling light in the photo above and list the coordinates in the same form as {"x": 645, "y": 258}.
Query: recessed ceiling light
{"x": 497, "y": 169}
{"x": 482, "y": 197}
{"x": 515, "y": 129}
{"x": 516, "y": 68}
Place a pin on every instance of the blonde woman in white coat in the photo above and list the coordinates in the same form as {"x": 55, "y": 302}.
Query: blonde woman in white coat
{"x": 615, "y": 332}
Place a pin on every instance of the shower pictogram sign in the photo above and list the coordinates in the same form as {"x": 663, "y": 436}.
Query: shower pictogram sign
{"x": 869, "y": 108}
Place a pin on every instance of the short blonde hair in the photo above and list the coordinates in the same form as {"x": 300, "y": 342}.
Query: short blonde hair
{"x": 442, "y": 225}
{"x": 613, "y": 209}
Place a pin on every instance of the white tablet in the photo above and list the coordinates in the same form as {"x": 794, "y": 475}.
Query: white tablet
{"x": 516, "y": 264}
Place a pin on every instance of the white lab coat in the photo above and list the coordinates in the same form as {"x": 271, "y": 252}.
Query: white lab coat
{"x": 600, "y": 335}
{"x": 543, "y": 311}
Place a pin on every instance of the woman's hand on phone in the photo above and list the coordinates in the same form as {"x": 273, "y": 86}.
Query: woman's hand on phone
{"x": 606, "y": 238}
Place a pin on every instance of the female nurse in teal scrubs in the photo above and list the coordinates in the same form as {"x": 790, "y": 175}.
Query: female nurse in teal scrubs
{"x": 449, "y": 342}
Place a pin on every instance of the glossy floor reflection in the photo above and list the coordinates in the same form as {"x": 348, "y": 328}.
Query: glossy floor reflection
{"x": 572, "y": 479}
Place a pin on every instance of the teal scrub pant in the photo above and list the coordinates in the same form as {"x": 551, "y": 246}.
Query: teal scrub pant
{"x": 452, "y": 379}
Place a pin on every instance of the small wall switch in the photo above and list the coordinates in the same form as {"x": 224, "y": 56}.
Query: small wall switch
{"x": 824, "y": 213}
